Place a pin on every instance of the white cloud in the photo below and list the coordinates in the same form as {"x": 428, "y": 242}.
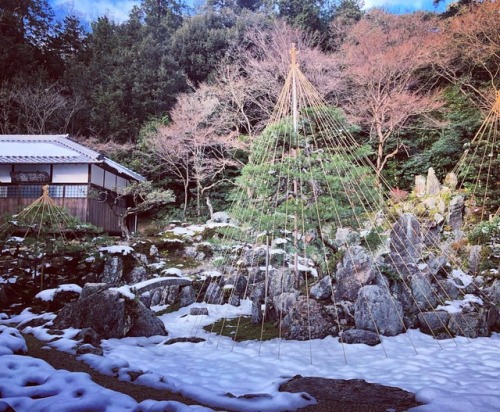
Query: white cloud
{"x": 116, "y": 10}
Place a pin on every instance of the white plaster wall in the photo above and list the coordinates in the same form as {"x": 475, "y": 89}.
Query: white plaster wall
{"x": 109, "y": 180}
{"x": 71, "y": 173}
{"x": 97, "y": 175}
{"x": 121, "y": 184}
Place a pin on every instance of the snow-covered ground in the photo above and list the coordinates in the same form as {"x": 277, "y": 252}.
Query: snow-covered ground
{"x": 449, "y": 375}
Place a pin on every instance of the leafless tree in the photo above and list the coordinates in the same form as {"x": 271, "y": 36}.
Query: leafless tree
{"x": 255, "y": 73}
{"x": 197, "y": 146}
{"x": 471, "y": 44}
{"x": 44, "y": 108}
{"x": 384, "y": 60}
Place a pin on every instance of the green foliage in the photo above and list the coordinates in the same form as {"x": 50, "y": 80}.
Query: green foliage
{"x": 302, "y": 176}
{"x": 487, "y": 232}
{"x": 439, "y": 149}
{"x": 201, "y": 42}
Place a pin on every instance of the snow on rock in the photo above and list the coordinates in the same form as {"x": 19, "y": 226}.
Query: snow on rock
{"x": 117, "y": 249}
{"x": 47, "y": 295}
{"x": 457, "y": 306}
{"x": 460, "y": 279}
{"x": 172, "y": 271}
{"x": 11, "y": 341}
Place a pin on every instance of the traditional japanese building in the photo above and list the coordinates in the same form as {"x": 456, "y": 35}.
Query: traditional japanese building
{"x": 80, "y": 179}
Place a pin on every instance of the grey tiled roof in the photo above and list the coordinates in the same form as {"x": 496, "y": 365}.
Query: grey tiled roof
{"x": 36, "y": 149}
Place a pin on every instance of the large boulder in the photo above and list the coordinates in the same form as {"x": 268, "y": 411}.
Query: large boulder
{"x": 376, "y": 310}
{"x": 110, "y": 315}
{"x": 470, "y": 325}
{"x": 354, "y": 271}
{"x": 322, "y": 289}
{"x": 434, "y": 323}
{"x": 307, "y": 320}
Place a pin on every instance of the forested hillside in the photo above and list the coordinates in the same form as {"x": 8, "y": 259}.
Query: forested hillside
{"x": 179, "y": 94}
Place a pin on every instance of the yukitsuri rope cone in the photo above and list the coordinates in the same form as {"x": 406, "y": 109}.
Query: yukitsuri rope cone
{"x": 478, "y": 169}
{"x": 307, "y": 180}
{"x": 41, "y": 218}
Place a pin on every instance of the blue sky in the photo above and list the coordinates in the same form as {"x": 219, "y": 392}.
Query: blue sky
{"x": 118, "y": 10}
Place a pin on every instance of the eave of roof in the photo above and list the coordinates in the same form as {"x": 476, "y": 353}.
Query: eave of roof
{"x": 67, "y": 152}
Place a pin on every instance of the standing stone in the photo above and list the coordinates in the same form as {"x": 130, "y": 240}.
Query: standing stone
{"x": 474, "y": 259}
{"x": 136, "y": 275}
{"x": 455, "y": 213}
{"x": 376, "y": 310}
{"x": 433, "y": 186}
{"x": 451, "y": 181}
{"x": 187, "y": 296}
{"x": 420, "y": 184}
{"x": 113, "y": 270}
{"x": 281, "y": 280}
{"x": 214, "y": 294}
{"x": 406, "y": 239}
{"x": 423, "y": 291}
{"x": 353, "y": 272}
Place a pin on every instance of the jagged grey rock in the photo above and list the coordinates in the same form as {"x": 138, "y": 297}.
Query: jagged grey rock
{"x": 377, "y": 311}
{"x": 423, "y": 291}
{"x": 322, "y": 289}
{"x": 406, "y": 239}
{"x": 214, "y": 294}
{"x": 113, "y": 270}
{"x": 493, "y": 292}
{"x": 90, "y": 288}
{"x": 187, "y": 295}
{"x": 255, "y": 257}
{"x": 455, "y": 213}
{"x": 470, "y": 325}
{"x": 353, "y": 272}
{"x": 474, "y": 258}
{"x": 281, "y": 280}
{"x": 307, "y": 320}
{"x": 436, "y": 263}
{"x": 136, "y": 275}
{"x": 111, "y": 315}
{"x": 360, "y": 336}
{"x": 434, "y": 323}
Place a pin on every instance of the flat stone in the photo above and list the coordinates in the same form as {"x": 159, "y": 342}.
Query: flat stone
{"x": 350, "y": 395}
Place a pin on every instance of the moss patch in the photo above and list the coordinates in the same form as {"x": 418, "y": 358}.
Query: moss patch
{"x": 242, "y": 329}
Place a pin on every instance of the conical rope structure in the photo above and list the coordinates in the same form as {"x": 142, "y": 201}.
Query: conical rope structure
{"x": 307, "y": 180}
{"x": 41, "y": 218}
{"x": 478, "y": 169}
